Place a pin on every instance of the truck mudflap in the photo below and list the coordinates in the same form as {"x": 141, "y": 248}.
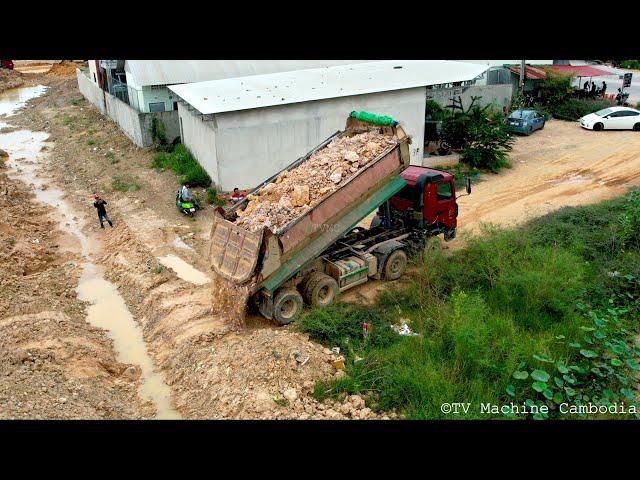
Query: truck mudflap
{"x": 234, "y": 251}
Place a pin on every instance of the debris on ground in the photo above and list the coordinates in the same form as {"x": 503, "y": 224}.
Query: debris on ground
{"x": 296, "y": 191}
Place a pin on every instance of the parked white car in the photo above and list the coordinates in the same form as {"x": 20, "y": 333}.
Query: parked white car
{"x": 613, "y": 118}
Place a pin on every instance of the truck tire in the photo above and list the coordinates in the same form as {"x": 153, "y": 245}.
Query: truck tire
{"x": 394, "y": 265}
{"x": 320, "y": 290}
{"x": 287, "y": 306}
{"x": 449, "y": 234}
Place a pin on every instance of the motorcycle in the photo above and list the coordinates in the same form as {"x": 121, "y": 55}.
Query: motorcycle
{"x": 621, "y": 99}
{"x": 188, "y": 208}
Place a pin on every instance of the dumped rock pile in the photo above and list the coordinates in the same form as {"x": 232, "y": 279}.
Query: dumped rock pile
{"x": 296, "y": 191}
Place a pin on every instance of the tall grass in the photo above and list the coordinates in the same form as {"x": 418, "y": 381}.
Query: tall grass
{"x": 183, "y": 164}
{"x": 481, "y": 311}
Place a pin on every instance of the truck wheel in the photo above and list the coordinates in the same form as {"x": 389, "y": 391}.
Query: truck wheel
{"x": 449, "y": 234}
{"x": 287, "y": 305}
{"x": 395, "y": 265}
{"x": 320, "y": 290}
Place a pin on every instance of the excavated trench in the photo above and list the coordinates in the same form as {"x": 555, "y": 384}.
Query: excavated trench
{"x": 107, "y": 309}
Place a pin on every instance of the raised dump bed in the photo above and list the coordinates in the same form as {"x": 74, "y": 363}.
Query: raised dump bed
{"x": 270, "y": 257}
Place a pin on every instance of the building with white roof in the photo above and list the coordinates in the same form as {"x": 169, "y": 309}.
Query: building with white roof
{"x": 243, "y": 130}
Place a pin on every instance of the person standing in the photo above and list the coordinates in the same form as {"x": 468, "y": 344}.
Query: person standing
{"x": 99, "y": 204}
{"x": 604, "y": 88}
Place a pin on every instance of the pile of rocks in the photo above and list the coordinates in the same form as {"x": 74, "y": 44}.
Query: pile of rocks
{"x": 298, "y": 190}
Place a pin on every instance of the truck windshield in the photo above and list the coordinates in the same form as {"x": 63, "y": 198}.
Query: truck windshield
{"x": 444, "y": 191}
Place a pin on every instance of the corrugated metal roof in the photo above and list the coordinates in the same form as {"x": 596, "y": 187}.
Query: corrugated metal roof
{"x": 171, "y": 72}
{"x": 536, "y": 73}
{"x": 260, "y": 91}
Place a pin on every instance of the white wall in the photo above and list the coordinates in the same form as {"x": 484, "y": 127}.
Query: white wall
{"x": 254, "y": 144}
{"x": 200, "y": 138}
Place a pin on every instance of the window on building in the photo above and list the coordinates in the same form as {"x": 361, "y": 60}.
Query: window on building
{"x": 156, "y": 107}
{"x": 175, "y": 105}
{"x": 94, "y": 78}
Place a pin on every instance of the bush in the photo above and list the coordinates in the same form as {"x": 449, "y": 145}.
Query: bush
{"x": 183, "y": 164}
{"x": 159, "y": 135}
{"x": 630, "y": 64}
{"x": 212, "y": 197}
{"x": 488, "y": 146}
{"x": 574, "y": 108}
{"x": 436, "y": 111}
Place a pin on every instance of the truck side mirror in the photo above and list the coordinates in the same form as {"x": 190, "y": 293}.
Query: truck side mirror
{"x": 468, "y": 185}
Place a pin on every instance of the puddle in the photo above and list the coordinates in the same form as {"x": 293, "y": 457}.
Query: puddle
{"x": 15, "y": 98}
{"x": 179, "y": 243}
{"x": 108, "y": 309}
{"x": 184, "y": 270}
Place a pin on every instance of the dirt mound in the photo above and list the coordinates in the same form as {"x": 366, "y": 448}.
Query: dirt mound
{"x": 65, "y": 68}
{"x": 296, "y": 191}
{"x": 10, "y": 79}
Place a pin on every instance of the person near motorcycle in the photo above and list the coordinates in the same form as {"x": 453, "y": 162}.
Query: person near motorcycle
{"x": 99, "y": 204}
{"x": 185, "y": 196}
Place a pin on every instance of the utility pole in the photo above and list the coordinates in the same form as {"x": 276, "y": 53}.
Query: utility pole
{"x": 522, "y": 76}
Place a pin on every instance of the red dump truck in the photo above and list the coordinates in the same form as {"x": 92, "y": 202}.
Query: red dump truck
{"x": 323, "y": 252}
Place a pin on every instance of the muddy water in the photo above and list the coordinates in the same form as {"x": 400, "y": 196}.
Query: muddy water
{"x": 108, "y": 309}
{"x": 15, "y": 98}
{"x": 184, "y": 270}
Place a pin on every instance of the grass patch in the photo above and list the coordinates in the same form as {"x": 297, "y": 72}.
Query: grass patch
{"x": 91, "y": 142}
{"x": 124, "y": 183}
{"x": 183, "y": 164}
{"x": 511, "y": 301}
{"x": 75, "y": 101}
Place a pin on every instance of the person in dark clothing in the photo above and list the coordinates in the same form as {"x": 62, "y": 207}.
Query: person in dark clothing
{"x": 604, "y": 88}
{"x": 102, "y": 212}
{"x": 586, "y": 85}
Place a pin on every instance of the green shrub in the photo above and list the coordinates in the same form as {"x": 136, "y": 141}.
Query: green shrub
{"x": 488, "y": 147}
{"x": 574, "y": 108}
{"x": 213, "y": 198}
{"x": 183, "y": 164}
{"x": 630, "y": 220}
{"x": 630, "y": 64}
{"x": 436, "y": 111}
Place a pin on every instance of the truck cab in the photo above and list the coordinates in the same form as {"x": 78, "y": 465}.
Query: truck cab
{"x": 427, "y": 202}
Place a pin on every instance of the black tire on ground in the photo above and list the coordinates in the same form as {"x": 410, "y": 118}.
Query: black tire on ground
{"x": 530, "y": 131}
{"x": 395, "y": 265}
{"x": 320, "y": 290}
{"x": 450, "y": 234}
{"x": 636, "y": 127}
{"x": 543, "y": 124}
{"x": 287, "y": 306}
{"x": 598, "y": 127}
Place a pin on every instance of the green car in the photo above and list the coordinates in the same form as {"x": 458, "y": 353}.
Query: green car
{"x": 525, "y": 121}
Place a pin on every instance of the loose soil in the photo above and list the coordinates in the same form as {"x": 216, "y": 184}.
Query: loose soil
{"x": 53, "y": 364}
{"x": 259, "y": 372}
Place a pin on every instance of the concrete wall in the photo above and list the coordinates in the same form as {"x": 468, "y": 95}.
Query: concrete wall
{"x": 499, "y": 95}
{"x": 200, "y": 139}
{"x": 90, "y": 91}
{"x": 133, "y": 124}
{"x": 252, "y": 145}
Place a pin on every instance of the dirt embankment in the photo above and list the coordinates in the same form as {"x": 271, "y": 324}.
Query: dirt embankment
{"x": 10, "y": 79}
{"x": 53, "y": 364}
{"x": 262, "y": 372}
